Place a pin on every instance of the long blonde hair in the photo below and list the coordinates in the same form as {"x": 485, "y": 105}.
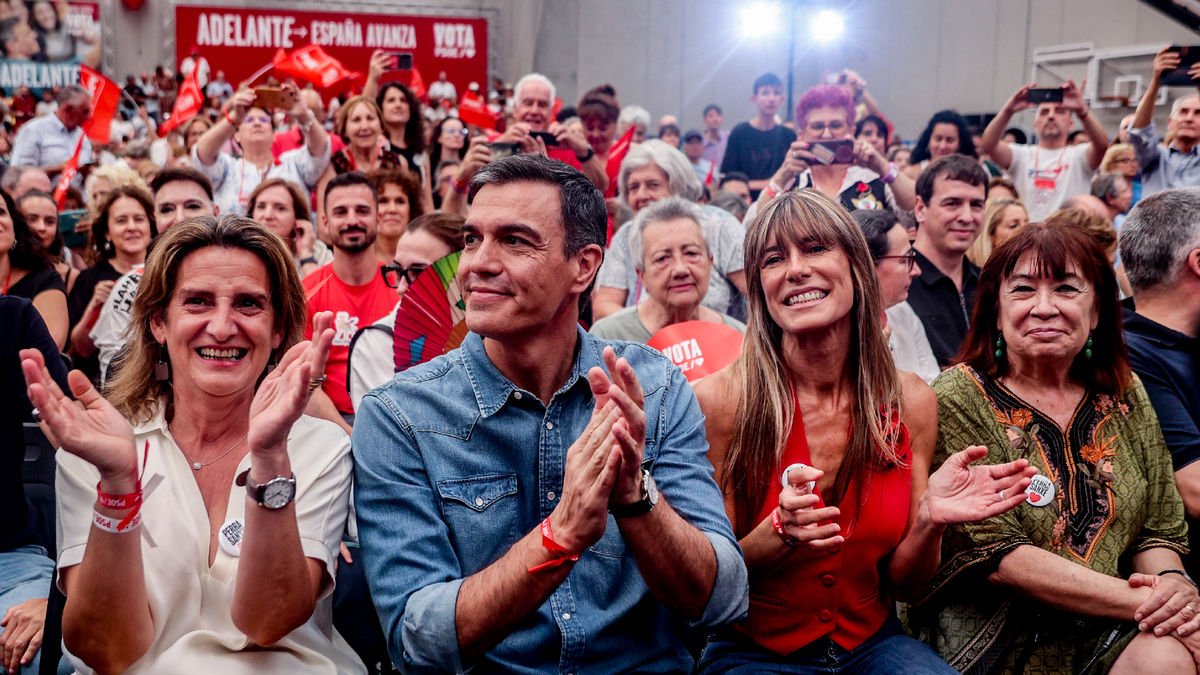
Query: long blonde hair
{"x": 134, "y": 390}
{"x": 765, "y": 405}
{"x": 982, "y": 247}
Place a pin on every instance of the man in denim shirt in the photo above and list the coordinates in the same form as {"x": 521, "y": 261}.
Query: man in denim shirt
{"x": 505, "y": 518}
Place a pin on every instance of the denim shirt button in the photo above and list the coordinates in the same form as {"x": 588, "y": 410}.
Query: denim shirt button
{"x": 550, "y": 496}
{"x": 566, "y": 616}
{"x": 549, "y": 425}
{"x": 479, "y": 501}
{"x": 517, "y": 395}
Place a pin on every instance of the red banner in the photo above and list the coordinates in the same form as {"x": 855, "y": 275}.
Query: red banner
{"x": 238, "y": 41}
{"x": 616, "y": 155}
{"x": 187, "y": 104}
{"x": 312, "y": 64}
{"x": 472, "y": 109}
{"x": 105, "y": 96}
{"x": 68, "y": 174}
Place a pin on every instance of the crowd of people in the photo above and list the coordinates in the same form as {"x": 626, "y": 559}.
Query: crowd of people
{"x": 959, "y": 435}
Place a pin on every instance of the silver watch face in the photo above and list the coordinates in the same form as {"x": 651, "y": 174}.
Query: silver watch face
{"x": 278, "y": 493}
{"x": 650, "y": 487}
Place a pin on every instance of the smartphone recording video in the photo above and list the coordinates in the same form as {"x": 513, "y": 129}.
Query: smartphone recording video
{"x": 273, "y": 98}
{"x": 833, "y": 152}
{"x": 400, "y": 61}
{"x": 1188, "y": 57}
{"x": 1048, "y": 95}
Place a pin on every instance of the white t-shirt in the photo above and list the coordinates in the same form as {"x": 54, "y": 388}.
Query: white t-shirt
{"x": 372, "y": 357}
{"x": 191, "y": 603}
{"x": 910, "y": 345}
{"x": 108, "y": 334}
{"x": 1046, "y": 178}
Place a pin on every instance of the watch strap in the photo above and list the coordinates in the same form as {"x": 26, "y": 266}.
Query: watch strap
{"x": 641, "y": 506}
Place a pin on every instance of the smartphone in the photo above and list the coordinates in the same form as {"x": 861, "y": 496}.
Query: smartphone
{"x": 401, "y": 61}
{"x": 67, "y": 220}
{"x": 502, "y": 150}
{"x": 547, "y": 138}
{"x": 1050, "y": 95}
{"x": 273, "y": 98}
{"x": 1188, "y": 56}
{"x": 835, "y": 78}
{"x": 833, "y": 152}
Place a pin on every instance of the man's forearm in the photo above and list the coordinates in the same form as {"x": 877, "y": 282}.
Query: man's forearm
{"x": 676, "y": 560}
{"x": 990, "y": 140}
{"x": 1145, "y": 109}
{"x": 506, "y": 584}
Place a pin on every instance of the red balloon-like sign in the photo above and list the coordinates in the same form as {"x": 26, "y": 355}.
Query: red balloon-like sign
{"x": 699, "y": 348}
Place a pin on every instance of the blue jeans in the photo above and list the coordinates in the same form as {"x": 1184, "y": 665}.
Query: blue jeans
{"x": 25, "y": 574}
{"x": 888, "y": 651}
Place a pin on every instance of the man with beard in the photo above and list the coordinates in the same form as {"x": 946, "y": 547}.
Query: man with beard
{"x": 351, "y": 286}
{"x": 1047, "y": 173}
{"x": 1165, "y": 167}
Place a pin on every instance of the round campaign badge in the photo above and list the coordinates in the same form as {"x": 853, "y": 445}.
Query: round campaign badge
{"x": 784, "y": 479}
{"x": 230, "y": 536}
{"x": 1040, "y": 491}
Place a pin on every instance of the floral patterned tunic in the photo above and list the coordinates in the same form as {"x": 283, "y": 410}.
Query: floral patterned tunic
{"x": 1114, "y": 496}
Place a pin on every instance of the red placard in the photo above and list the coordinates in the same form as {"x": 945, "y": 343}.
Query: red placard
{"x": 699, "y": 348}
{"x": 239, "y": 40}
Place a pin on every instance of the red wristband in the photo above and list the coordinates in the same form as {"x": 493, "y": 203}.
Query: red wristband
{"x": 229, "y": 118}
{"x": 777, "y": 525}
{"x": 459, "y": 187}
{"x": 128, "y": 501}
{"x": 560, "y": 555}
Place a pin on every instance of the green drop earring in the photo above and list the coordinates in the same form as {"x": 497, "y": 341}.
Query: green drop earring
{"x": 1087, "y": 349}
{"x": 999, "y": 347}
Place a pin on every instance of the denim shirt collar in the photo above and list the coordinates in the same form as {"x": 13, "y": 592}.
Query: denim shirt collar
{"x": 492, "y": 389}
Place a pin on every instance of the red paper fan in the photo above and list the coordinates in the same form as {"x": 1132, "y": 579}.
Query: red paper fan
{"x": 431, "y": 319}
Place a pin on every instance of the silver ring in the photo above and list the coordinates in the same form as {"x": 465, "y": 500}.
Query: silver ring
{"x": 1002, "y": 496}
{"x": 36, "y": 415}
{"x": 316, "y": 383}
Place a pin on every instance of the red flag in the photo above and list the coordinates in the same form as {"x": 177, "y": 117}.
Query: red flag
{"x": 417, "y": 83}
{"x": 473, "y": 110}
{"x": 312, "y": 64}
{"x": 187, "y": 104}
{"x": 558, "y": 106}
{"x": 68, "y": 172}
{"x": 708, "y": 180}
{"x": 616, "y": 155}
{"x": 105, "y": 96}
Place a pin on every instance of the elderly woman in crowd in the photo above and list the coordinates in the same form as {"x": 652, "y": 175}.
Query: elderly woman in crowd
{"x": 1001, "y": 219}
{"x": 945, "y": 134}
{"x": 653, "y": 171}
{"x": 861, "y": 179}
{"x": 426, "y": 239}
{"x": 234, "y": 178}
{"x": 198, "y": 478}
{"x": 1085, "y": 576}
{"x": 41, "y": 214}
{"x": 120, "y": 238}
{"x": 27, "y": 270}
{"x": 669, "y": 246}
{"x": 815, "y": 402}
{"x": 399, "y": 202}
{"x": 895, "y": 266}
{"x": 279, "y": 204}
{"x": 1116, "y": 191}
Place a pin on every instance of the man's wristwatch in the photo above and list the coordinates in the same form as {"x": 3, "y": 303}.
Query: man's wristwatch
{"x": 273, "y": 494}
{"x": 642, "y": 506}
{"x": 586, "y": 156}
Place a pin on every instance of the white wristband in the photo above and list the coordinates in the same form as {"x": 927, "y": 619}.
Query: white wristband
{"x": 107, "y": 524}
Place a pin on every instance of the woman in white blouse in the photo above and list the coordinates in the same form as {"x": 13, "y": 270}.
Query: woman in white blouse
{"x": 200, "y": 512}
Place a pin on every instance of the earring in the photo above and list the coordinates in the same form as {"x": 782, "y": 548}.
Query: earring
{"x": 999, "y": 347}
{"x": 108, "y": 246}
{"x": 162, "y": 369}
{"x": 1087, "y": 349}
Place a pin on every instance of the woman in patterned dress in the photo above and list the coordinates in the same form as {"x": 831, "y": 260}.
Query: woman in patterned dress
{"x": 1085, "y": 577}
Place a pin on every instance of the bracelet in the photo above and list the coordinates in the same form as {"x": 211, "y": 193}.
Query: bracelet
{"x": 890, "y": 177}
{"x": 1181, "y": 573}
{"x": 458, "y": 186}
{"x": 107, "y": 524}
{"x": 590, "y": 154}
{"x": 773, "y": 190}
{"x": 777, "y": 525}
{"x": 308, "y": 261}
{"x": 559, "y": 555}
{"x": 127, "y": 501}
{"x": 229, "y": 118}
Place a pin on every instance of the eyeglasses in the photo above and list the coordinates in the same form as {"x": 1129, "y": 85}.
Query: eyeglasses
{"x": 820, "y": 127}
{"x": 452, "y": 132}
{"x": 910, "y": 258}
{"x": 260, "y": 119}
{"x": 393, "y": 272}
{"x": 1124, "y": 160}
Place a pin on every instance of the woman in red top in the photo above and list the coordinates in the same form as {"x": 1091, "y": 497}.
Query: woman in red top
{"x": 860, "y": 523}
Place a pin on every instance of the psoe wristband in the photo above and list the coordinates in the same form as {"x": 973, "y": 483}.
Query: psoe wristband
{"x": 114, "y": 526}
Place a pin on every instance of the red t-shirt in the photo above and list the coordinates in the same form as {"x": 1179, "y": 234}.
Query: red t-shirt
{"x": 354, "y": 308}
{"x": 294, "y": 138}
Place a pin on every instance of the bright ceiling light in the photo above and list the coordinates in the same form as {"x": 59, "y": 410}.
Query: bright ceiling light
{"x": 827, "y": 26}
{"x": 761, "y": 19}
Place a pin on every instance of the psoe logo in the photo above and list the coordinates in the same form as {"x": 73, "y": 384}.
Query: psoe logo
{"x": 453, "y": 40}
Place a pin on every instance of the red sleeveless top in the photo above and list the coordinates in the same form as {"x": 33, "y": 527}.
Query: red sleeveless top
{"x": 837, "y": 594}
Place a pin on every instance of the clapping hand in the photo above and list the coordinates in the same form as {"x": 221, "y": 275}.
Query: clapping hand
{"x": 88, "y": 427}
{"x": 620, "y": 385}
{"x": 284, "y": 392}
{"x": 961, "y": 493}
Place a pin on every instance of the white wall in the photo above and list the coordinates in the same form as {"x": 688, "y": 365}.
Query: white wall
{"x": 675, "y": 56}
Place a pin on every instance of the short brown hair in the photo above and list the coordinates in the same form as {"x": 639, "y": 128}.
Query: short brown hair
{"x": 1055, "y": 247}
{"x": 98, "y": 251}
{"x": 952, "y": 167}
{"x": 410, "y": 184}
{"x": 299, "y": 199}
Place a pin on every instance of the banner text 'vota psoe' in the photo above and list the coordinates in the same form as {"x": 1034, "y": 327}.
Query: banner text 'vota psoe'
{"x": 239, "y": 41}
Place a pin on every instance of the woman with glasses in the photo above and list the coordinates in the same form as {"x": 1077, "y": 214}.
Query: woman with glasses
{"x": 895, "y": 266}
{"x": 250, "y": 124}
{"x": 1120, "y": 158}
{"x": 426, "y": 239}
{"x": 826, "y": 158}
